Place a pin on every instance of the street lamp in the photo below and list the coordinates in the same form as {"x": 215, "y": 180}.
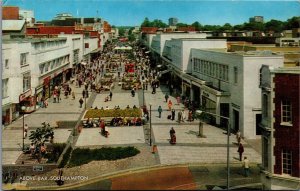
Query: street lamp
{"x": 150, "y": 126}
{"x": 23, "y": 111}
{"x": 228, "y": 134}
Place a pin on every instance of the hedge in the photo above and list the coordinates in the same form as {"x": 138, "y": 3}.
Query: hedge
{"x": 57, "y": 149}
{"x": 83, "y": 156}
{"x": 96, "y": 113}
{"x": 66, "y": 157}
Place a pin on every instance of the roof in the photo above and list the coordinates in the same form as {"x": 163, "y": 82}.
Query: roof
{"x": 12, "y": 25}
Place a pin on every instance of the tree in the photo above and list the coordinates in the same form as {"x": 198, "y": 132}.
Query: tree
{"x": 291, "y": 23}
{"x": 39, "y": 137}
{"x": 42, "y": 134}
{"x": 146, "y": 23}
{"x": 274, "y": 25}
{"x": 182, "y": 25}
{"x": 226, "y": 27}
{"x": 197, "y": 26}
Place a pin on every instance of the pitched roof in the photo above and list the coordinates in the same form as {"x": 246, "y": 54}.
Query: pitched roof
{"x": 12, "y": 25}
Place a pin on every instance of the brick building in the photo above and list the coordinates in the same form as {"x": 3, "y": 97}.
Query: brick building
{"x": 10, "y": 13}
{"x": 280, "y": 128}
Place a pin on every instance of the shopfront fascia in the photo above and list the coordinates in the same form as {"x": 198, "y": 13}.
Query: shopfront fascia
{"x": 216, "y": 102}
{"x": 27, "y": 100}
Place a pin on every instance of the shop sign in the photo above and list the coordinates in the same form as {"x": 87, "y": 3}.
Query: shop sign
{"x": 38, "y": 168}
{"x": 205, "y": 94}
{"x": 24, "y": 95}
{"x": 47, "y": 80}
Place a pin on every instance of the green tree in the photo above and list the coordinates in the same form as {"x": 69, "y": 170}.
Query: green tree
{"x": 158, "y": 23}
{"x": 122, "y": 31}
{"x": 182, "y": 25}
{"x": 197, "y": 26}
{"x": 274, "y": 25}
{"x": 226, "y": 27}
{"x": 42, "y": 134}
{"x": 291, "y": 23}
{"x": 146, "y": 23}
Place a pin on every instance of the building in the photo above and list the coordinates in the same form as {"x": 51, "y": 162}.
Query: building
{"x": 28, "y": 16}
{"x": 227, "y": 84}
{"x": 10, "y": 13}
{"x": 280, "y": 127}
{"x": 173, "y": 21}
{"x": 291, "y": 53}
{"x": 258, "y": 19}
{"x": 32, "y": 67}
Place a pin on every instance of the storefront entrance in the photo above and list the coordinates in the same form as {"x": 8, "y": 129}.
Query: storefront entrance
{"x": 236, "y": 120}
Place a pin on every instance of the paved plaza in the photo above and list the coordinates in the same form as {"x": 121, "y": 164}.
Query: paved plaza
{"x": 189, "y": 148}
{"x": 117, "y": 136}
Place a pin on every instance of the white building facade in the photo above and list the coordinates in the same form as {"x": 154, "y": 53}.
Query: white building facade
{"x": 231, "y": 87}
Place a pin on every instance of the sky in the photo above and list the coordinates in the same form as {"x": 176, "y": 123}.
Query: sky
{"x": 133, "y": 12}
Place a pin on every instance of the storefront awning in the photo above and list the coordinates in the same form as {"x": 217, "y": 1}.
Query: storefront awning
{"x": 95, "y": 51}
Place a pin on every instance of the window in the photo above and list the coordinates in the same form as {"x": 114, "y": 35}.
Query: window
{"x": 26, "y": 81}
{"x": 6, "y": 64}
{"x": 287, "y": 162}
{"x": 235, "y": 73}
{"x": 286, "y": 112}
{"x": 5, "y": 88}
{"x": 23, "y": 59}
{"x": 42, "y": 68}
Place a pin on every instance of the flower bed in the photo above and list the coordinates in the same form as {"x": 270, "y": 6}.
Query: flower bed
{"x": 109, "y": 75}
{"x": 96, "y": 113}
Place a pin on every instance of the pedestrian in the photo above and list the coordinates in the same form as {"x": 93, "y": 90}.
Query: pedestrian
{"x": 25, "y": 131}
{"x": 66, "y": 94}
{"x": 58, "y": 94}
{"x": 238, "y": 137}
{"x": 170, "y": 104}
{"x": 183, "y": 115}
{"x": 83, "y": 93}
{"x": 87, "y": 93}
{"x": 54, "y": 96}
{"x": 110, "y": 95}
{"x": 159, "y": 111}
{"x": 166, "y": 97}
{"x": 179, "y": 116}
{"x": 80, "y": 102}
{"x": 173, "y": 114}
{"x": 246, "y": 166}
{"x": 240, "y": 150}
{"x": 190, "y": 117}
{"x": 73, "y": 95}
{"x": 172, "y": 132}
{"x": 178, "y": 100}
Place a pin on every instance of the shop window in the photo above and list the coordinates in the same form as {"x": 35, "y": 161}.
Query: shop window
{"x": 287, "y": 162}
{"x": 286, "y": 112}
{"x": 26, "y": 81}
{"x": 5, "y": 88}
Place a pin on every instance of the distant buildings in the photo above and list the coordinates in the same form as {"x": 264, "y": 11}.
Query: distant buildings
{"x": 280, "y": 128}
{"x": 257, "y": 19}
{"x": 173, "y": 21}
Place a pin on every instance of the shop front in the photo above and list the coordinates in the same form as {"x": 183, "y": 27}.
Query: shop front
{"x": 28, "y": 101}
{"x": 46, "y": 87}
{"x": 6, "y": 114}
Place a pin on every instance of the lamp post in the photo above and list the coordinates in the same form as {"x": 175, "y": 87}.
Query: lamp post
{"x": 228, "y": 134}
{"x": 150, "y": 126}
{"x": 23, "y": 110}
